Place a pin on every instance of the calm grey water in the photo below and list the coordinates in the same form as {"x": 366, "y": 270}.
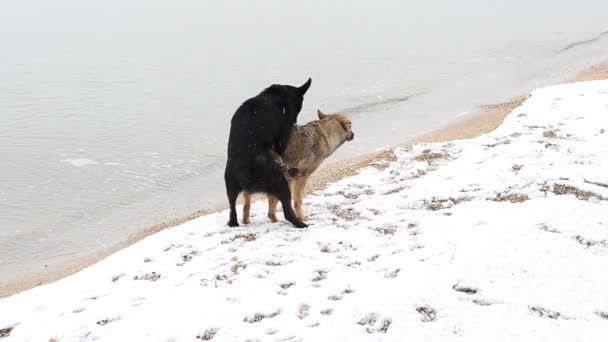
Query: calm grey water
{"x": 115, "y": 114}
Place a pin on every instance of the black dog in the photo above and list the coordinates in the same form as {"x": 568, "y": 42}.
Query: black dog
{"x": 260, "y": 129}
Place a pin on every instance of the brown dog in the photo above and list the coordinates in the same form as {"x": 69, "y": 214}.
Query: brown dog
{"x": 308, "y": 146}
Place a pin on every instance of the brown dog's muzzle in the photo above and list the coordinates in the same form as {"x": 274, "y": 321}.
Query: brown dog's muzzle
{"x": 351, "y": 136}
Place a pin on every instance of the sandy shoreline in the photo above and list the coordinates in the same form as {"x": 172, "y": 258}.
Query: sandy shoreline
{"x": 486, "y": 119}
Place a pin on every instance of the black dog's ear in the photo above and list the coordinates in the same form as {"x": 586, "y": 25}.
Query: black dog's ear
{"x": 304, "y": 88}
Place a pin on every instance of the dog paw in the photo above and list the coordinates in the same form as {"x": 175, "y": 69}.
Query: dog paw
{"x": 299, "y": 224}
{"x": 233, "y": 224}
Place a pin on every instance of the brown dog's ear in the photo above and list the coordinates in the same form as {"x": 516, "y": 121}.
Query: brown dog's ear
{"x": 321, "y": 114}
{"x": 304, "y": 88}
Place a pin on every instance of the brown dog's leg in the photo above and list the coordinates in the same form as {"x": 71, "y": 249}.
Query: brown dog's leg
{"x": 246, "y": 206}
{"x": 272, "y": 208}
{"x": 298, "y": 195}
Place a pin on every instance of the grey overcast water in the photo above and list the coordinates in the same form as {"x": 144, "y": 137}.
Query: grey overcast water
{"x": 115, "y": 114}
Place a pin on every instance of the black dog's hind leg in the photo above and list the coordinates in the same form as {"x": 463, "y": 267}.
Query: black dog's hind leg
{"x": 284, "y": 195}
{"x": 232, "y": 190}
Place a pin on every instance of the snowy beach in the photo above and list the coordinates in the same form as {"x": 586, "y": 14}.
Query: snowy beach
{"x": 500, "y": 237}
{"x": 116, "y": 113}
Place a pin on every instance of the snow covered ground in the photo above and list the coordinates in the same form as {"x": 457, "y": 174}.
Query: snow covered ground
{"x": 499, "y": 238}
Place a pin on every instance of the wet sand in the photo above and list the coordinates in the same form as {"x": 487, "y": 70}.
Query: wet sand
{"x": 486, "y": 119}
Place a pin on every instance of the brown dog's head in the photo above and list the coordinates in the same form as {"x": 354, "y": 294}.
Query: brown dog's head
{"x": 341, "y": 121}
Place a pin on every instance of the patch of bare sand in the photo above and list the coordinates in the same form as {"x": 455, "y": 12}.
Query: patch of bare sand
{"x": 488, "y": 118}
{"x": 593, "y": 73}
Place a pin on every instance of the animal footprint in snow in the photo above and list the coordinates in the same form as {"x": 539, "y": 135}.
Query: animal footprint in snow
{"x": 261, "y": 274}
{"x": 187, "y": 257}
{"x": 386, "y": 229}
{"x": 6, "y": 332}
{"x": 602, "y": 314}
{"x": 303, "y": 311}
{"x": 217, "y": 280}
{"x": 153, "y": 276}
{"x": 542, "y": 312}
{"x": 484, "y": 302}
{"x": 335, "y": 297}
{"x": 320, "y": 275}
{"x": 385, "y": 325}
{"x": 354, "y": 263}
{"x": 392, "y": 274}
{"x": 348, "y": 290}
{"x": 238, "y": 267}
{"x": 327, "y": 312}
{"x": 172, "y": 246}
{"x": 258, "y": 316}
{"x": 277, "y": 262}
{"x": 138, "y": 301}
{"x": 427, "y": 313}
{"x": 285, "y": 286}
{"x": 272, "y": 331}
{"x": 209, "y": 234}
{"x": 347, "y": 246}
{"x": 589, "y": 242}
{"x": 464, "y": 289}
{"x": 375, "y": 211}
{"x": 547, "y": 228}
{"x": 292, "y": 238}
{"x": 94, "y": 297}
{"x": 118, "y": 276}
{"x": 207, "y": 335}
{"x": 397, "y": 251}
{"x": 372, "y": 325}
{"x": 326, "y": 248}
{"x": 247, "y": 237}
{"x": 415, "y": 247}
{"x": 105, "y": 321}
{"x": 348, "y": 214}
